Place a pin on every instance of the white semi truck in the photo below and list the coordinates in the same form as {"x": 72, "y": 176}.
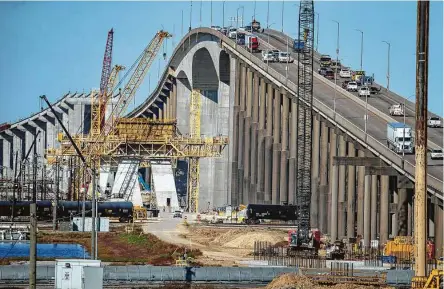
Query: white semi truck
{"x": 400, "y": 138}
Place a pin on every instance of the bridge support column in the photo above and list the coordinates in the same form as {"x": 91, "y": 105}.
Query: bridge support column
{"x": 269, "y": 146}
{"x": 384, "y": 214}
{"x": 374, "y": 207}
{"x": 314, "y": 168}
{"x": 439, "y": 251}
{"x": 431, "y": 217}
{"x": 367, "y": 210}
{"x": 247, "y": 141}
{"x": 254, "y": 144}
{"x": 333, "y": 183}
{"x": 351, "y": 187}
{"x": 361, "y": 195}
{"x": 283, "y": 192}
{"x": 7, "y": 156}
{"x": 402, "y": 212}
{"x": 276, "y": 147}
{"x": 241, "y": 145}
{"x": 234, "y": 140}
{"x": 341, "y": 191}
{"x": 174, "y": 99}
{"x": 394, "y": 205}
{"x": 323, "y": 187}
{"x": 261, "y": 143}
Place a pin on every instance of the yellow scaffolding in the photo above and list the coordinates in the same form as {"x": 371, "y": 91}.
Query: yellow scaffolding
{"x": 193, "y": 162}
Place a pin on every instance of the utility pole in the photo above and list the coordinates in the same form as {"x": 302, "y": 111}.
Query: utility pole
{"x": 84, "y": 190}
{"x": 422, "y": 61}
{"x": 56, "y": 197}
{"x": 388, "y": 64}
{"x": 93, "y": 216}
{"x": 33, "y": 224}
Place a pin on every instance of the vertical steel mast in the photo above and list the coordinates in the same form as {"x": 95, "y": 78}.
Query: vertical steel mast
{"x": 304, "y": 120}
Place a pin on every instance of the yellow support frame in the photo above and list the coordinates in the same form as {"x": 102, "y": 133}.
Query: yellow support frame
{"x": 193, "y": 162}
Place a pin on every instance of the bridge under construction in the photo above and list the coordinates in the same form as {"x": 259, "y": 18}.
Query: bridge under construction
{"x": 224, "y": 128}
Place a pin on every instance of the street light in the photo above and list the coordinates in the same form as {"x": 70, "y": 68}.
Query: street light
{"x": 237, "y": 20}
{"x": 282, "y": 16}
{"x": 317, "y": 32}
{"x": 223, "y": 14}
{"x": 268, "y": 32}
{"x": 336, "y": 70}
{"x": 403, "y": 129}
{"x": 191, "y": 13}
{"x": 388, "y": 64}
{"x": 268, "y": 16}
{"x": 200, "y": 14}
{"x": 362, "y": 44}
{"x": 211, "y": 13}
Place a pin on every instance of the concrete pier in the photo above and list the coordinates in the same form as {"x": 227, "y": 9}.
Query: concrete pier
{"x": 351, "y": 197}
{"x": 269, "y": 146}
{"x": 314, "y": 217}
{"x": 333, "y": 184}
{"x": 385, "y": 201}
{"x": 283, "y": 187}
{"x": 276, "y": 147}
{"x": 323, "y": 187}
{"x": 341, "y": 190}
{"x": 361, "y": 195}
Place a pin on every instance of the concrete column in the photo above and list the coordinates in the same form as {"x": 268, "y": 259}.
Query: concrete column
{"x": 333, "y": 185}
{"x": 439, "y": 251}
{"x": 351, "y": 197}
{"x": 268, "y": 146}
{"x": 254, "y": 136}
{"x": 283, "y": 192}
{"x": 394, "y": 190}
{"x": 431, "y": 217}
{"x": 241, "y": 146}
{"x": 384, "y": 219}
{"x": 402, "y": 212}
{"x": 341, "y": 190}
{"x": 367, "y": 210}
{"x": 247, "y": 132}
{"x": 314, "y": 169}
{"x": 323, "y": 187}
{"x": 7, "y": 153}
{"x": 261, "y": 143}
{"x": 234, "y": 141}
{"x": 174, "y": 100}
{"x": 374, "y": 208}
{"x": 276, "y": 147}
{"x": 360, "y": 193}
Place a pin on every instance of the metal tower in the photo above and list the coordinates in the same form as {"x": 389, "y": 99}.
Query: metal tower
{"x": 304, "y": 119}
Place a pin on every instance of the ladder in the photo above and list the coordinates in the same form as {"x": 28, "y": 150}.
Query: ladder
{"x": 126, "y": 190}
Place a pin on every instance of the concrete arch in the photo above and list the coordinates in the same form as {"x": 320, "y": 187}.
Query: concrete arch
{"x": 204, "y": 72}
{"x": 224, "y": 67}
{"x": 184, "y": 80}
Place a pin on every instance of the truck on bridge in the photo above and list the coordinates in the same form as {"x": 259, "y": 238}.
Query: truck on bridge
{"x": 399, "y": 137}
{"x": 298, "y": 45}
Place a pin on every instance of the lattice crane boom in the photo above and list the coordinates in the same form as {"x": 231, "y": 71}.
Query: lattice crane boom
{"x": 304, "y": 120}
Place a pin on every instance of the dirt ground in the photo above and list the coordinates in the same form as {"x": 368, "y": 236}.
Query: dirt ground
{"x": 225, "y": 246}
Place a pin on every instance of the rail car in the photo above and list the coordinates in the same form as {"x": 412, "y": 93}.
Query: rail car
{"x": 65, "y": 210}
{"x": 257, "y": 212}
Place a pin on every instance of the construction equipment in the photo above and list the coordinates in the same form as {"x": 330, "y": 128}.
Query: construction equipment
{"x": 304, "y": 239}
{"x": 433, "y": 281}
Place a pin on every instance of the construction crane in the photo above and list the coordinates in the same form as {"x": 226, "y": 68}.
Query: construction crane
{"x": 304, "y": 240}
{"x": 98, "y": 106}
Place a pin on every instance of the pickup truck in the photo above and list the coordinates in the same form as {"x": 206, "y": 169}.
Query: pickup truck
{"x": 364, "y": 91}
{"x": 434, "y": 122}
{"x": 352, "y": 86}
{"x": 396, "y": 109}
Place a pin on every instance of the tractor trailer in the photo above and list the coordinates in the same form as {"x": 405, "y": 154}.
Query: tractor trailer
{"x": 400, "y": 138}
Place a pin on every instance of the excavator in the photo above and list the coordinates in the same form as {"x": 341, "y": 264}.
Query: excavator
{"x": 433, "y": 281}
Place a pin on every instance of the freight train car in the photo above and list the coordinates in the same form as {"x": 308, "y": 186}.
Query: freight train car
{"x": 21, "y": 210}
{"x": 65, "y": 210}
{"x": 256, "y": 212}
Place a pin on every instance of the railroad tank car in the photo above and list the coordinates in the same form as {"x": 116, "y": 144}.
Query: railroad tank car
{"x": 256, "y": 212}
{"x": 22, "y": 209}
{"x": 121, "y": 210}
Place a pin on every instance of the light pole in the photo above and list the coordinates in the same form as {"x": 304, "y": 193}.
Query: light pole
{"x": 200, "y": 14}
{"x": 317, "y": 31}
{"x": 268, "y": 17}
{"x": 366, "y": 117}
{"x": 403, "y": 129}
{"x": 191, "y": 13}
{"x": 254, "y": 10}
{"x": 223, "y": 14}
{"x": 268, "y": 32}
{"x": 388, "y": 64}
{"x": 237, "y": 20}
{"x": 336, "y": 70}
{"x": 362, "y": 44}
{"x": 211, "y": 13}
{"x": 282, "y": 16}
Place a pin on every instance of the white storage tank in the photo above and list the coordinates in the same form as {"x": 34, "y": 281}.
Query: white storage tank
{"x": 69, "y": 274}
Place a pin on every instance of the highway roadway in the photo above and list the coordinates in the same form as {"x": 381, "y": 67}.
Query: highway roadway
{"x": 376, "y": 126}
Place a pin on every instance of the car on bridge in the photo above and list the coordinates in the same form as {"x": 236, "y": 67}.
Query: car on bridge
{"x": 396, "y": 109}
{"x": 325, "y": 60}
{"x": 329, "y": 74}
{"x": 217, "y": 28}
{"x": 436, "y": 154}
{"x": 352, "y": 86}
{"x": 335, "y": 64}
{"x": 267, "y": 56}
{"x": 232, "y": 32}
{"x": 364, "y": 91}
{"x": 285, "y": 57}
{"x": 322, "y": 71}
{"x": 345, "y": 72}
{"x": 434, "y": 122}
